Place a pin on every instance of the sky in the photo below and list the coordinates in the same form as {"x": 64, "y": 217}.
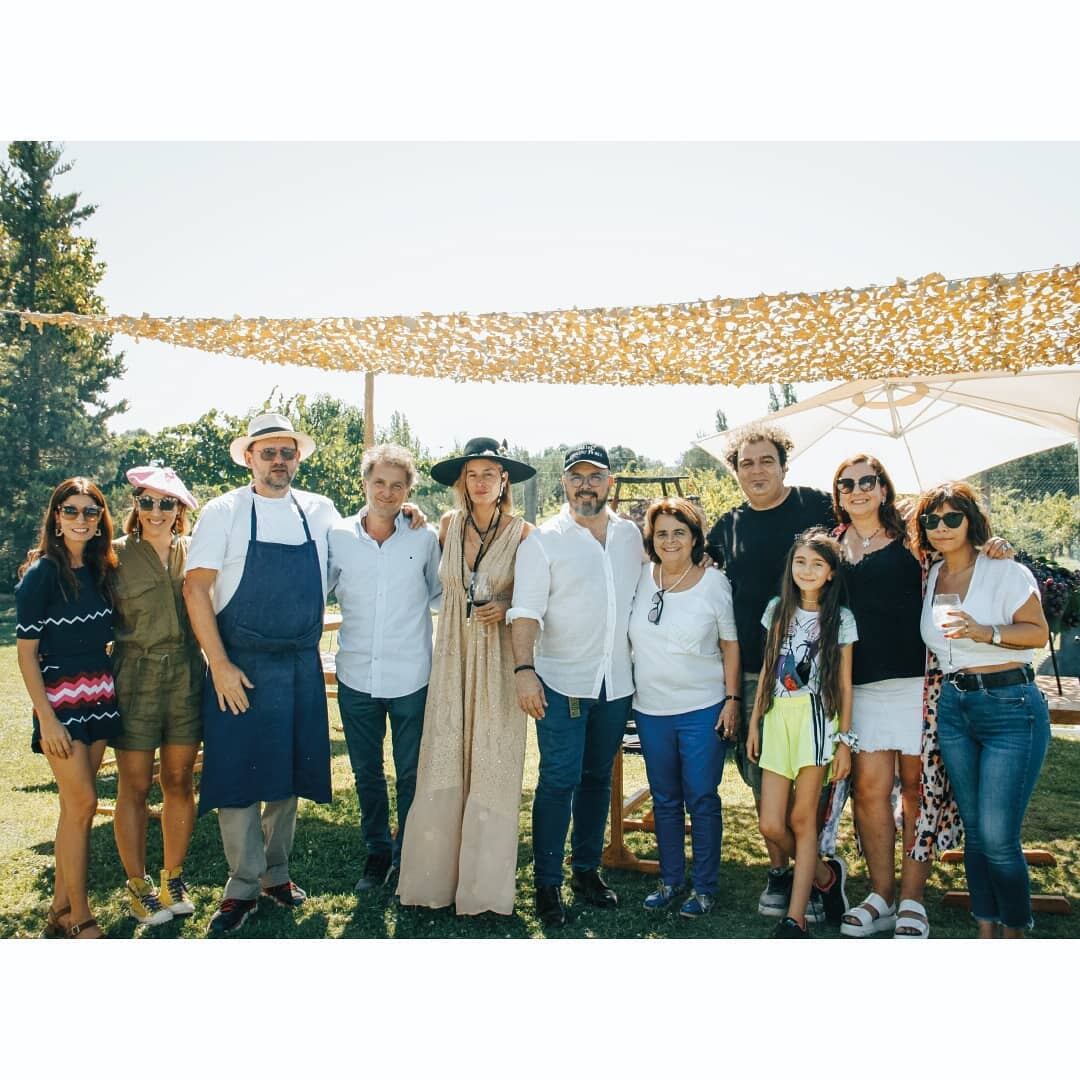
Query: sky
{"x": 318, "y": 229}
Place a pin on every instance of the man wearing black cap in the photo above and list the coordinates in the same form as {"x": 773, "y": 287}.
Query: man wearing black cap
{"x": 574, "y": 581}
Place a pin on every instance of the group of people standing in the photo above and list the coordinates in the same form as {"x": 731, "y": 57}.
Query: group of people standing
{"x": 808, "y": 660}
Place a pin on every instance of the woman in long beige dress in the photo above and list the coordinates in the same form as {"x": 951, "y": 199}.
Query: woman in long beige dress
{"x": 461, "y": 842}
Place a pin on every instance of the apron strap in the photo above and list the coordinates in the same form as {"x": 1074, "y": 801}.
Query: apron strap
{"x": 299, "y": 510}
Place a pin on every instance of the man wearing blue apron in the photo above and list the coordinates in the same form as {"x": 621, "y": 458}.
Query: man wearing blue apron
{"x": 255, "y": 588}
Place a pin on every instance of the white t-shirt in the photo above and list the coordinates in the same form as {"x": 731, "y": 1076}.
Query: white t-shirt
{"x": 677, "y": 662}
{"x": 220, "y": 539}
{"x": 997, "y": 590}
{"x": 797, "y": 668}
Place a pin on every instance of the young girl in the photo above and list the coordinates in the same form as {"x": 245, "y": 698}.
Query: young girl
{"x": 804, "y": 695}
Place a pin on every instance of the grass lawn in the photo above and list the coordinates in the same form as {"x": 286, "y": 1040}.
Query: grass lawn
{"x": 327, "y": 858}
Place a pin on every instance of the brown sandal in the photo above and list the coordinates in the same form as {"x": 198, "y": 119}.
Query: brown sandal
{"x": 76, "y": 930}
{"x": 53, "y": 927}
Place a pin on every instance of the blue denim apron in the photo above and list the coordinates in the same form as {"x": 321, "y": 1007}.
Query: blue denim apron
{"x": 271, "y": 628}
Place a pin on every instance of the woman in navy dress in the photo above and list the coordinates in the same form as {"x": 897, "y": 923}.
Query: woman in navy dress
{"x": 64, "y": 616}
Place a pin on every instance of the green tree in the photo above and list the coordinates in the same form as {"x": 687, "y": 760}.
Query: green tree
{"x": 52, "y": 383}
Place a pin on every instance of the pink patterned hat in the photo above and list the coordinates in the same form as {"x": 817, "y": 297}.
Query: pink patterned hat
{"x": 163, "y": 479}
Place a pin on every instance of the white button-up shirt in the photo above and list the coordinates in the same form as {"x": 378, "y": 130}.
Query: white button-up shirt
{"x": 387, "y": 592}
{"x": 580, "y": 592}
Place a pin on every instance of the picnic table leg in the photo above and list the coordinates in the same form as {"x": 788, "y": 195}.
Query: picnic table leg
{"x": 617, "y": 854}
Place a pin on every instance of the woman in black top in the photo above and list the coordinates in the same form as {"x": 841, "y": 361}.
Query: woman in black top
{"x": 64, "y": 617}
{"x": 885, "y": 594}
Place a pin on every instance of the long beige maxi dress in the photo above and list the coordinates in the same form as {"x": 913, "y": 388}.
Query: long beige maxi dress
{"x": 461, "y": 838}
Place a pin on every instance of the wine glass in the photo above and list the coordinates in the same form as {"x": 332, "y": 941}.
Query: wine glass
{"x": 481, "y": 589}
{"x": 943, "y": 604}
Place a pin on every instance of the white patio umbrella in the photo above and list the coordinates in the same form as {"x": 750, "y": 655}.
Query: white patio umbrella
{"x": 928, "y": 430}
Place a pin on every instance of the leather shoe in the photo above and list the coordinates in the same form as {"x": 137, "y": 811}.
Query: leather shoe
{"x": 549, "y": 905}
{"x": 593, "y": 888}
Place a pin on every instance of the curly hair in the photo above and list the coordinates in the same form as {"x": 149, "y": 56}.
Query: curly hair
{"x": 389, "y": 454}
{"x": 759, "y": 432}
{"x": 959, "y": 496}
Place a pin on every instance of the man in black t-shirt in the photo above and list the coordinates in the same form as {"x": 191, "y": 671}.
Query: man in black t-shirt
{"x": 751, "y": 543}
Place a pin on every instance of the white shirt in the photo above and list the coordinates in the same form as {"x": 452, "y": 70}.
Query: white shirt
{"x": 997, "y": 590}
{"x": 797, "y": 666}
{"x": 220, "y": 539}
{"x": 580, "y": 592}
{"x": 386, "y": 592}
{"x": 677, "y": 662}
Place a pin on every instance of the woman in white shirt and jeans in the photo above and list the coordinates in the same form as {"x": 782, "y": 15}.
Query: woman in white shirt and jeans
{"x": 983, "y": 619}
{"x": 687, "y": 678}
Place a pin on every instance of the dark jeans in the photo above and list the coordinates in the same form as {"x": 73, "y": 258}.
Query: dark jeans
{"x": 684, "y": 760}
{"x": 993, "y": 743}
{"x": 576, "y": 756}
{"x": 364, "y": 720}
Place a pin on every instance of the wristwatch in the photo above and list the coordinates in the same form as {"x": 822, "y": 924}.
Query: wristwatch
{"x": 995, "y": 636}
{"x": 849, "y": 739}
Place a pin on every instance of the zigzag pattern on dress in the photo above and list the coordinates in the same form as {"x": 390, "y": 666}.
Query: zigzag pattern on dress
{"x": 114, "y": 715}
{"x": 67, "y": 621}
{"x": 81, "y": 689}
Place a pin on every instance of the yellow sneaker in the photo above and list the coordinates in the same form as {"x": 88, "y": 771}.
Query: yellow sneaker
{"x": 174, "y": 894}
{"x": 144, "y": 902}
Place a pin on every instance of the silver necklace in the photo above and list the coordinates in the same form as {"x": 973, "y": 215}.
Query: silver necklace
{"x": 867, "y": 540}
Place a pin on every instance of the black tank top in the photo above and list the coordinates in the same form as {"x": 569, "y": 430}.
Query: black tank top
{"x": 885, "y": 594}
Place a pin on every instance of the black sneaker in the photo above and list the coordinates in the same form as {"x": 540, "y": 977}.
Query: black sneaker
{"x": 593, "y": 889}
{"x": 231, "y": 915}
{"x": 775, "y": 899}
{"x": 378, "y": 870}
{"x": 549, "y": 905}
{"x": 787, "y": 927}
{"x": 287, "y": 895}
{"x": 834, "y": 898}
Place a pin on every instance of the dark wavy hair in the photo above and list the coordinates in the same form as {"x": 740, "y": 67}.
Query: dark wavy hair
{"x": 829, "y": 604}
{"x": 131, "y": 522}
{"x": 98, "y": 554}
{"x": 961, "y": 497}
{"x": 757, "y": 432}
{"x": 894, "y": 524}
{"x": 683, "y": 510}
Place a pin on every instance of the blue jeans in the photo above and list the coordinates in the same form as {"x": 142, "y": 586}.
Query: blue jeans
{"x": 993, "y": 743}
{"x": 364, "y": 720}
{"x": 576, "y": 756}
{"x": 684, "y": 760}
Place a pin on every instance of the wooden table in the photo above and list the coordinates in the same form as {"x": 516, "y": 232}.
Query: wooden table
{"x": 1064, "y": 707}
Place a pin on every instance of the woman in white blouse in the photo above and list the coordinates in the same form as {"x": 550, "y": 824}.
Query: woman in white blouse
{"x": 687, "y": 684}
{"x": 983, "y": 618}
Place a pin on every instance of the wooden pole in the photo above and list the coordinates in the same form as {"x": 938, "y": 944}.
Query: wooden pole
{"x": 369, "y": 409}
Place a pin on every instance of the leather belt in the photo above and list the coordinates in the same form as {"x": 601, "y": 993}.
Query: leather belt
{"x": 987, "y": 680}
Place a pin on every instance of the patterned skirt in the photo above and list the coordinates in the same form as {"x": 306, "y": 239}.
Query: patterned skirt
{"x": 83, "y": 696}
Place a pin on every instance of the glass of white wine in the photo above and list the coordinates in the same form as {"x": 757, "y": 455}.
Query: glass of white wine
{"x": 481, "y": 590}
{"x": 943, "y": 604}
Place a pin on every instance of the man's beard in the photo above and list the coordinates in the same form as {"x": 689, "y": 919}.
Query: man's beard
{"x": 588, "y": 507}
{"x": 278, "y": 481}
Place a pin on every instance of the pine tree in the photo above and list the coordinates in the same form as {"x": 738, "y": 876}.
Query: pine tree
{"x": 52, "y": 383}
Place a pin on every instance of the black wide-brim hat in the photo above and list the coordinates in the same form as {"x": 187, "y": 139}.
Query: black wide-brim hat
{"x": 446, "y": 472}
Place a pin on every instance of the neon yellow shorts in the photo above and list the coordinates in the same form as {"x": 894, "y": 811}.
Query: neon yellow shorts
{"x": 796, "y": 733}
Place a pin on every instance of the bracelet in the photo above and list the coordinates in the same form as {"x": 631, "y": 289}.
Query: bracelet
{"x": 848, "y": 739}
{"x": 730, "y": 697}
{"x": 524, "y": 667}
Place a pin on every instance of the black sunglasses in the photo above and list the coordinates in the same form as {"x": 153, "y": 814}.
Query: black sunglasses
{"x": 268, "y": 453}
{"x": 89, "y": 513}
{"x": 657, "y": 608}
{"x": 953, "y": 520}
{"x": 846, "y": 485}
{"x": 147, "y": 502}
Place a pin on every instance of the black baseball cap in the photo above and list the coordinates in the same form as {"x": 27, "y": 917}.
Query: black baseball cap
{"x": 593, "y": 453}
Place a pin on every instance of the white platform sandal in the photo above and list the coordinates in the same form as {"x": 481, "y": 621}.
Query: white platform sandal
{"x": 913, "y": 921}
{"x": 874, "y": 916}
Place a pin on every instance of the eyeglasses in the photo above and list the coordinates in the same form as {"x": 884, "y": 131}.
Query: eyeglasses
{"x": 846, "y": 485}
{"x": 146, "y": 502}
{"x": 657, "y": 608}
{"x": 594, "y": 479}
{"x": 88, "y": 513}
{"x": 953, "y": 520}
{"x": 268, "y": 453}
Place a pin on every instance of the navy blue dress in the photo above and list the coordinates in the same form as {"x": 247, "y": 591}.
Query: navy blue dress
{"x": 72, "y": 632}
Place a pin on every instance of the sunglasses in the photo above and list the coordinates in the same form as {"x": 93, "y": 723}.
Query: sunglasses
{"x": 146, "y": 502}
{"x": 268, "y": 453}
{"x": 953, "y": 520}
{"x": 88, "y": 513}
{"x": 845, "y": 485}
{"x": 657, "y": 608}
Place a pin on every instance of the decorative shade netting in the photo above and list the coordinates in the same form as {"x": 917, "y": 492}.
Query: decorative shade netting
{"x": 924, "y": 327}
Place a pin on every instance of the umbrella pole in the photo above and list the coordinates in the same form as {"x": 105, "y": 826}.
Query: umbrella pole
{"x": 1053, "y": 661}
